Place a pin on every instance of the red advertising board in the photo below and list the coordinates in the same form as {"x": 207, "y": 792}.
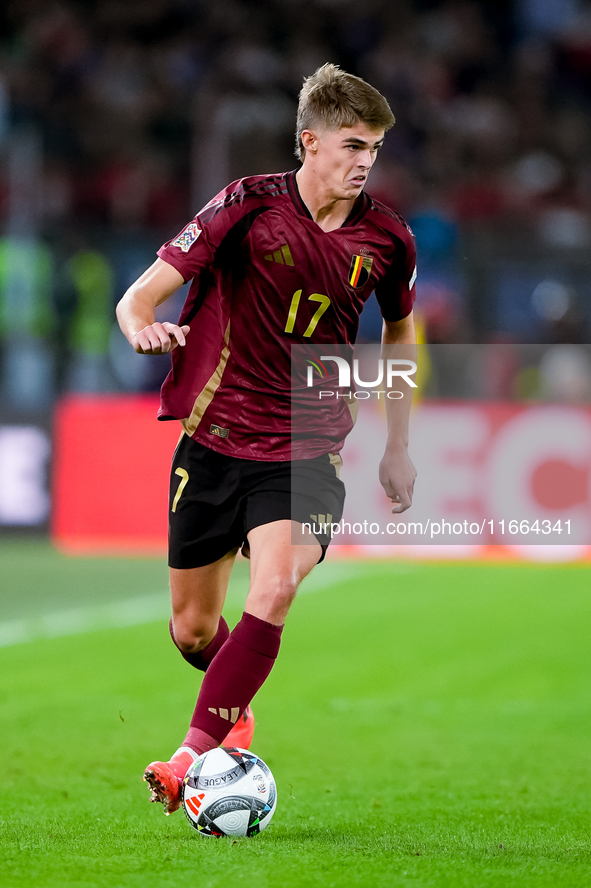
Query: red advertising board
{"x": 494, "y": 480}
{"x": 500, "y": 473}
{"x": 111, "y": 467}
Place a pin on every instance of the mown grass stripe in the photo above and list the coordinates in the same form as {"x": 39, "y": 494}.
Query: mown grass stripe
{"x": 139, "y": 610}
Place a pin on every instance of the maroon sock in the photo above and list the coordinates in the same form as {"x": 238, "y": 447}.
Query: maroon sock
{"x": 203, "y": 658}
{"x": 238, "y": 671}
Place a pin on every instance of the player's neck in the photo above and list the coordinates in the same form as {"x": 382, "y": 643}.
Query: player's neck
{"x": 327, "y": 211}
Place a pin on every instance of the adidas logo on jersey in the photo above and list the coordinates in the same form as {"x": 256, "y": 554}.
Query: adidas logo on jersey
{"x": 219, "y": 431}
{"x": 231, "y": 716}
{"x": 282, "y": 256}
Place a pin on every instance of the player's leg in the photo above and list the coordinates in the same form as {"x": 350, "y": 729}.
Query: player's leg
{"x": 302, "y": 489}
{"x": 205, "y": 523}
{"x": 277, "y": 567}
{"x": 247, "y": 657}
{"x": 197, "y": 627}
{"x": 198, "y": 630}
{"x": 201, "y": 549}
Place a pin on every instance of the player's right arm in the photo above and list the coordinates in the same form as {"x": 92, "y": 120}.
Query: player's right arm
{"x": 135, "y": 311}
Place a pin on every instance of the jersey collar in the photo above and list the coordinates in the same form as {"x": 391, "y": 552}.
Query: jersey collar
{"x": 358, "y": 210}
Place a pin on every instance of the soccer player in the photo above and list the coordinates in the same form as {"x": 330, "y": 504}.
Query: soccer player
{"x": 274, "y": 260}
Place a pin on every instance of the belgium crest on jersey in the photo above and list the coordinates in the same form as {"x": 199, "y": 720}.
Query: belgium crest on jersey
{"x": 359, "y": 271}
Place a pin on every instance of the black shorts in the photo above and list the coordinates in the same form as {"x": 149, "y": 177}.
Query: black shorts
{"x": 215, "y": 500}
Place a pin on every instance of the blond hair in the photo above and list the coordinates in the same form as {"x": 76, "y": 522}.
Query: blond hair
{"x": 332, "y": 98}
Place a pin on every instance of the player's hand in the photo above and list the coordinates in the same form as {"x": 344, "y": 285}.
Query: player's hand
{"x": 397, "y": 477}
{"x": 159, "y": 339}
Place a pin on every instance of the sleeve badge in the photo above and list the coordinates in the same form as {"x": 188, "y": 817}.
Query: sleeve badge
{"x": 187, "y": 237}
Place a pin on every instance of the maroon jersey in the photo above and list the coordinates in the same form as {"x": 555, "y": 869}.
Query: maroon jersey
{"x": 265, "y": 277}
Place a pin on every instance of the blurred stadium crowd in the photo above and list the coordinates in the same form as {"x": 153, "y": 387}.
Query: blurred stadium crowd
{"x": 118, "y": 120}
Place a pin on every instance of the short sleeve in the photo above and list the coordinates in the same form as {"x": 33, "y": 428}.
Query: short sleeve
{"x": 396, "y": 291}
{"x": 194, "y": 248}
{"x": 189, "y": 252}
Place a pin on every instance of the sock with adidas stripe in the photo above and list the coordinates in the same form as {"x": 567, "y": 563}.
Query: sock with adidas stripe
{"x": 232, "y": 679}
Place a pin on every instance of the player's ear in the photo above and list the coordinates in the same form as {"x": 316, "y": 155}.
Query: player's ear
{"x": 310, "y": 141}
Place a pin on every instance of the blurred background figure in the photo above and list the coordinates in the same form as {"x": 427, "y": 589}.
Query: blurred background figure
{"x": 565, "y": 374}
{"x": 26, "y": 316}
{"x": 92, "y": 280}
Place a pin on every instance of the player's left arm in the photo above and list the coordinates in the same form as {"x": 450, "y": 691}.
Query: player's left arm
{"x": 397, "y": 472}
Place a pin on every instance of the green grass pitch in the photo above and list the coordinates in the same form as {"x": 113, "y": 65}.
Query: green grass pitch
{"x": 427, "y": 725}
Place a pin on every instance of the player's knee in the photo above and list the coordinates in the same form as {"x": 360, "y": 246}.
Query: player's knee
{"x": 190, "y": 638}
{"x": 282, "y": 591}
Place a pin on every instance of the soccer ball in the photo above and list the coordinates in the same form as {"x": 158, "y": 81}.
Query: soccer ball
{"x": 229, "y": 792}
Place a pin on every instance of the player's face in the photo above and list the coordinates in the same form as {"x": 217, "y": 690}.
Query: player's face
{"x": 343, "y": 158}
